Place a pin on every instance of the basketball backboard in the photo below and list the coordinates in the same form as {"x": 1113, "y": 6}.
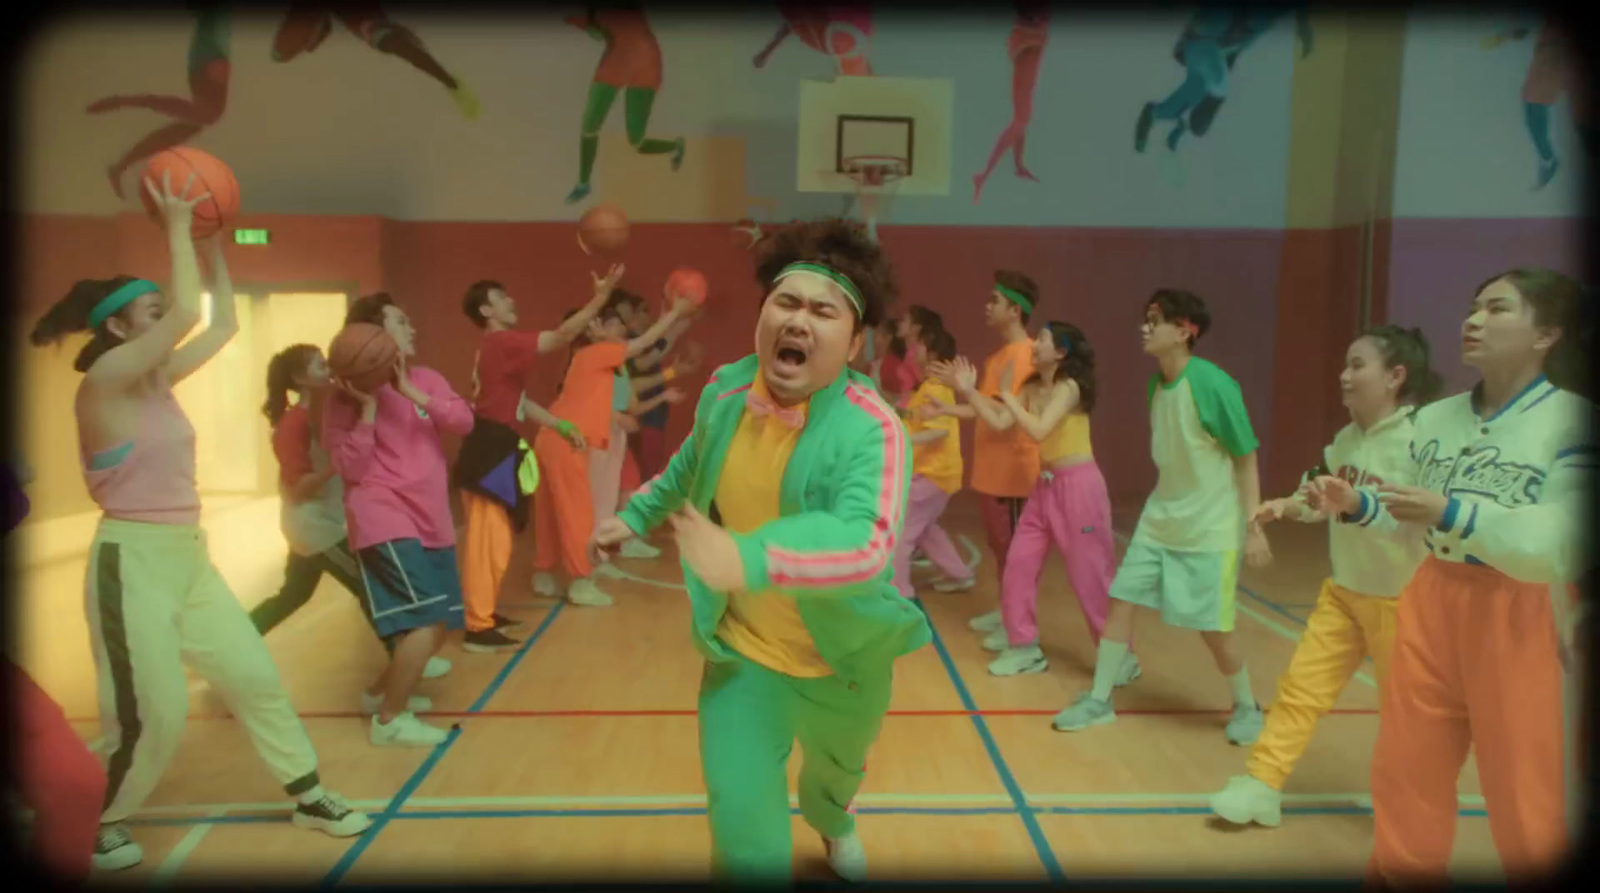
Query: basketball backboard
{"x": 851, "y": 117}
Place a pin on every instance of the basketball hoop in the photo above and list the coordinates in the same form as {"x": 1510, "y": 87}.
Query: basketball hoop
{"x": 875, "y": 176}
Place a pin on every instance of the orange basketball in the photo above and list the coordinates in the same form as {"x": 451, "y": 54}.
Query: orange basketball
{"x": 363, "y": 355}
{"x": 210, "y": 175}
{"x": 686, "y": 282}
{"x": 603, "y": 229}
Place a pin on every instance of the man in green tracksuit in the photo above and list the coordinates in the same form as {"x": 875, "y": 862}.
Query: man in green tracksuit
{"x": 786, "y": 500}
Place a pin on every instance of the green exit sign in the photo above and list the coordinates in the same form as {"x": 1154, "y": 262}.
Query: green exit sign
{"x": 251, "y": 237}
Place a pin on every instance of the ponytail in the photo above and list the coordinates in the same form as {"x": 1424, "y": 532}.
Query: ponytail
{"x": 1408, "y": 348}
{"x": 70, "y": 315}
{"x": 281, "y": 372}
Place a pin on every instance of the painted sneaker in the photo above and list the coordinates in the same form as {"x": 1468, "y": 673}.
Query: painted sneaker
{"x": 487, "y": 641}
{"x": 984, "y": 623}
{"x": 371, "y": 704}
{"x": 1130, "y": 671}
{"x": 1086, "y": 711}
{"x": 436, "y": 667}
{"x": 952, "y": 585}
{"x": 638, "y": 549}
{"x": 1245, "y": 726}
{"x": 996, "y": 640}
{"x": 587, "y": 594}
{"x": 406, "y": 730}
{"x": 332, "y": 815}
{"x": 847, "y": 857}
{"x": 1247, "y": 799}
{"x": 1018, "y": 661}
{"x": 546, "y": 585}
{"x": 114, "y": 849}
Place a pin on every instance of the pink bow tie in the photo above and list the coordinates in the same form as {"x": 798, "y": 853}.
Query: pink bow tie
{"x": 762, "y": 406}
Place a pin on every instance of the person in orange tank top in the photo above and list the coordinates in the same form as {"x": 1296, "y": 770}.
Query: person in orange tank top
{"x": 631, "y": 65}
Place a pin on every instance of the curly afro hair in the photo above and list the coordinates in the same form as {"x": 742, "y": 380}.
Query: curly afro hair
{"x": 841, "y": 245}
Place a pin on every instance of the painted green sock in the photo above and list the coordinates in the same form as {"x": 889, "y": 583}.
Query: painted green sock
{"x": 1240, "y": 682}
{"x": 1107, "y": 664}
{"x": 657, "y": 147}
{"x": 588, "y": 147}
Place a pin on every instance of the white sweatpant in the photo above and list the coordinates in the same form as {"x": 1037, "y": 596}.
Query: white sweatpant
{"x": 155, "y": 603}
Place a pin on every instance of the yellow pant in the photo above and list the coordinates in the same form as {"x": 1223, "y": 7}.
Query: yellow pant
{"x": 1343, "y": 628}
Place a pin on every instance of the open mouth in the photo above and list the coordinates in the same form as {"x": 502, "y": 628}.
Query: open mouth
{"x": 789, "y": 356}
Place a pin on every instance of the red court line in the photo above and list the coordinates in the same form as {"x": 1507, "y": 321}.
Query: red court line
{"x": 556, "y": 714}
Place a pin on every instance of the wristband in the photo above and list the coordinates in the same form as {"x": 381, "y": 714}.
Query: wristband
{"x": 670, "y": 373}
{"x": 566, "y": 428}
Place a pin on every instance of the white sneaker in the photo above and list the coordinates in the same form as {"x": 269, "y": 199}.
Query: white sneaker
{"x": 985, "y": 622}
{"x": 584, "y": 592}
{"x": 332, "y": 815}
{"x": 1247, "y": 799}
{"x": 544, "y": 584}
{"x": 371, "y": 703}
{"x": 996, "y": 640}
{"x": 114, "y": 850}
{"x": 406, "y": 730}
{"x": 847, "y": 857}
{"x": 1017, "y": 661}
{"x": 949, "y": 585}
{"x": 638, "y": 549}
{"x": 437, "y": 666}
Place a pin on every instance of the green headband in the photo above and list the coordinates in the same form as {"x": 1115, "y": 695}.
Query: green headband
{"x": 1015, "y": 297}
{"x": 122, "y": 297}
{"x": 836, "y": 277}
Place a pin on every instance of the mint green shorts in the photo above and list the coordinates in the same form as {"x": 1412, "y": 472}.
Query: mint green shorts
{"x": 1192, "y": 590}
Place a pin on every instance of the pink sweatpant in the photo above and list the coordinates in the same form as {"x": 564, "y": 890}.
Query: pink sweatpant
{"x": 1071, "y": 509}
{"x": 921, "y": 530}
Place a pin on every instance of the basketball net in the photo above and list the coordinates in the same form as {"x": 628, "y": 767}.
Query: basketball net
{"x": 875, "y": 181}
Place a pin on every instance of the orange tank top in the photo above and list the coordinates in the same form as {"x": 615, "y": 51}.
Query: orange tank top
{"x": 1071, "y": 438}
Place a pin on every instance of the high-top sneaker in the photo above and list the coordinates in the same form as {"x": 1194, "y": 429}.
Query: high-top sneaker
{"x": 115, "y": 850}
{"x": 331, "y": 814}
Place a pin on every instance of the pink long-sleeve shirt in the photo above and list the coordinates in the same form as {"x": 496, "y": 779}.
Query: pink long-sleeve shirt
{"x": 396, "y": 477}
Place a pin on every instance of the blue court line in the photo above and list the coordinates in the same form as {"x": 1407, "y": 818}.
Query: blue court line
{"x": 647, "y": 812}
{"x": 383, "y": 819}
{"x": 1020, "y": 801}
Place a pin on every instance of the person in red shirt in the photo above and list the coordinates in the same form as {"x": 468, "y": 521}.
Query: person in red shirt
{"x": 564, "y": 503}
{"x": 485, "y": 473}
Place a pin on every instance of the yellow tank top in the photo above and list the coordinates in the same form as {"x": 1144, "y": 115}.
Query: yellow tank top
{"x": 1071, "y": 438}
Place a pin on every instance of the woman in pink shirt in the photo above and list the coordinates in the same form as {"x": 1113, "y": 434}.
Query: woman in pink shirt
{"x": 385, "y": 446}
{"x": 155, "y": 602}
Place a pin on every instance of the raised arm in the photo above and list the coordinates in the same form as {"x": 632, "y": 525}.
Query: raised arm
{"x": 659, "y": 351}
{"x": 645, "y": 341}
{"x": 131, "y": 361}
{"x": 561, "y": 336}
{"x": 844, "y": 550}
{"x": 224, "y": 319}
{"x": 1062, "y": 399}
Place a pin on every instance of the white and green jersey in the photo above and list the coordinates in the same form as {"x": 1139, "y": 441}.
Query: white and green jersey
{"x": 1198, "y": 426}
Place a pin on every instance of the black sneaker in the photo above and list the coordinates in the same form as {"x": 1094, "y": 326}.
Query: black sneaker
{"x": 332, "y": 815}
{"x": 504, "y": 623}
{"x": 487, "y": 641}
{"x": 114, "y": 850}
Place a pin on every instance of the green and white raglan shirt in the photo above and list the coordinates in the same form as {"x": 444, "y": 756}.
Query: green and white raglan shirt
{"x": 1198, "y": 426}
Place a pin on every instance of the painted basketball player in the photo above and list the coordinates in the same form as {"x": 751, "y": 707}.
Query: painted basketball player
{"x": 631, "y": 65}
{"x": 1207, "y": 49}
{"x": 1552, "y": 72}
{"x": 306, "y": 26}
{"x": 1025, "y": 46}
{"x": 840, "y": 31}
{"x": 208, "y": 93}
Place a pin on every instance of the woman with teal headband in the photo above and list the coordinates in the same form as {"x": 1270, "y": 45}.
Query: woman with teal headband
{"x": 153, "y": 598}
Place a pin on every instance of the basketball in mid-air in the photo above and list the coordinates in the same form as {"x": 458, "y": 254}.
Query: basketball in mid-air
{"x": 603, "y": 229}
{"x": 210, "y": 175}
{"x": 686, "y": 282}
{"x": 363, "y": 356}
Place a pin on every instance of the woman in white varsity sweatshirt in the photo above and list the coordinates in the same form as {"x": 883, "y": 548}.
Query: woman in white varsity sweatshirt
{"x": 1503, "y": 477}
{"x": 1386, "y": 377}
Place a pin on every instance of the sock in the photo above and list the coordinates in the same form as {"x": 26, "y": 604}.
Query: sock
{"x": 1240, "y": 683}
{"x": 657, "y": 147}
{"x": 1107, "y": 664}
{"x": 588, "y": 147}
{"x": 311, "y": 796}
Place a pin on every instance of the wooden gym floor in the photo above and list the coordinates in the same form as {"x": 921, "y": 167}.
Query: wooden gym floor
{"x": 577, "y": 753}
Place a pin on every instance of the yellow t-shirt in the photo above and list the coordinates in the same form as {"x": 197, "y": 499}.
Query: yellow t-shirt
{"x": 940, "y": 461}
{"x": 765, "y": 627}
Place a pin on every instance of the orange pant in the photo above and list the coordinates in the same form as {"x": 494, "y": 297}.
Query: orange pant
{"x": 484, "y": 556}
{"x": 1475, "y": 665}
{"x": 563, "y": 509}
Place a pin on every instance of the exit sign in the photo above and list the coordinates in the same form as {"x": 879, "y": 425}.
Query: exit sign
{"x": 251, "y": 237}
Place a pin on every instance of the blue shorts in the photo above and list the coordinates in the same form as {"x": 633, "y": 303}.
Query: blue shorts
{"x": 1192, "y": 590}
{"x": 410, "y": 586}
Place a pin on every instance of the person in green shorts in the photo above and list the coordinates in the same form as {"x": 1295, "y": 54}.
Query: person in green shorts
{"x": 1184, "y": 557}
{"x": 786, "y": 501}
{"x": 631, "y": 66}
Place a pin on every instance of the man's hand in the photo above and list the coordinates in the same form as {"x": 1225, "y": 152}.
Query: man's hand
{"x": 609, "y": 534}
{"x": 708, "y": 550}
